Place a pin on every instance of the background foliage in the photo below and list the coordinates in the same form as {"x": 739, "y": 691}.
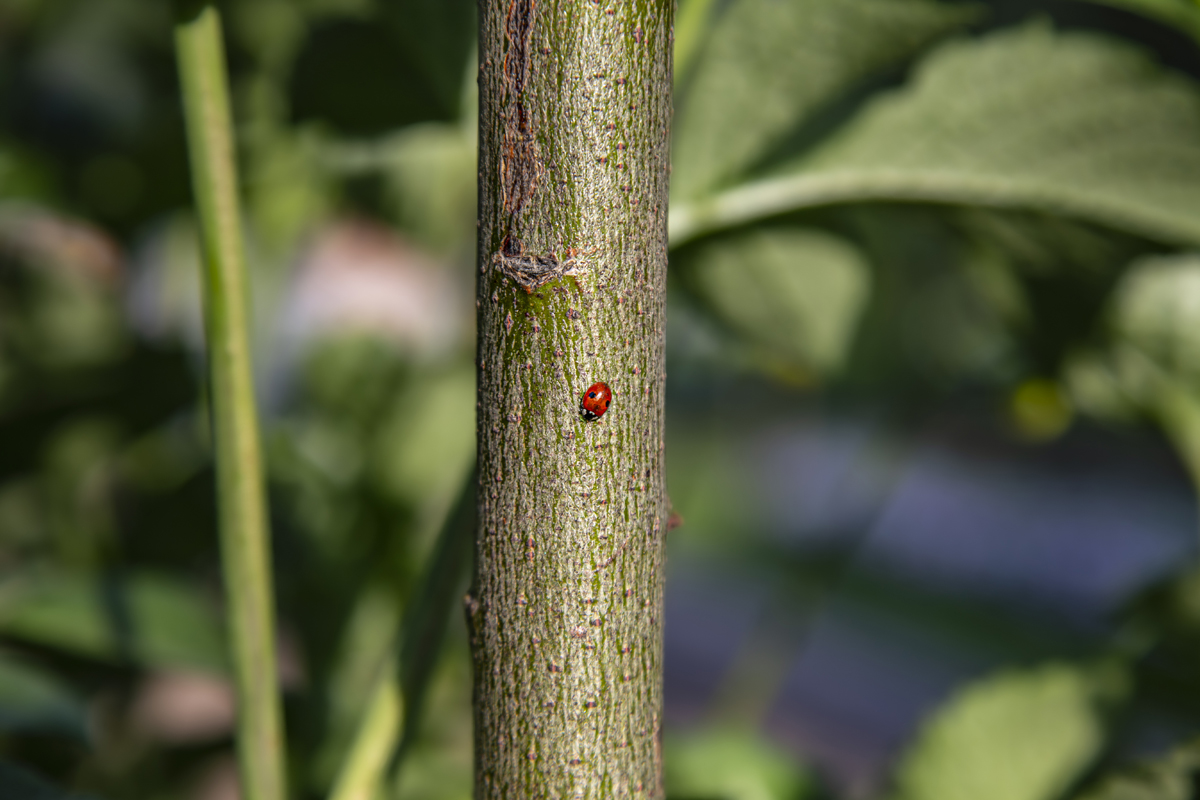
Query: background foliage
{"x": 893, "y": 221}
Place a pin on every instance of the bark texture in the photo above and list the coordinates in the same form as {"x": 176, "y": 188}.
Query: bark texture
{"x": 566, "y": 608}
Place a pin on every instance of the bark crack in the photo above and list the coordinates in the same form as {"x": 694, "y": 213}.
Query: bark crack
{"x": 520, "y": 165}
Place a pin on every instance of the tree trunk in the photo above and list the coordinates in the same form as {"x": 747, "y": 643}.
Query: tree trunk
{"x": 566, "y": 608}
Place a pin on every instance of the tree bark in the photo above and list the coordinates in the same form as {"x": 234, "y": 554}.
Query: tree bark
{"x": 566, "y": 608}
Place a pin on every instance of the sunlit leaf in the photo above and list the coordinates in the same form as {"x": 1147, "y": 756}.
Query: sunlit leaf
{"x": 771, "y": 65}
{"x": 1021, "y": 735}
{"x": 1075, "y": 124}
{"x": 798, "y": 292}
{"x": 142, "y": 619}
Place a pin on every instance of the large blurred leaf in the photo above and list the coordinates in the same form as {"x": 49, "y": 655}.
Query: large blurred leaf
{"x": 798, "y": 292}
{"x": 769, "y": 65}
{"x": 1021, "y": 735}
{"x": 1074, "y": 124}
{"x": 143, "y": 619}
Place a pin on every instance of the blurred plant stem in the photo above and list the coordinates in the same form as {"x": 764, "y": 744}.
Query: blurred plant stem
{"x": 366, "y": 764}
{"x": 392, "y": 710}
{"x": 240, "y": 495}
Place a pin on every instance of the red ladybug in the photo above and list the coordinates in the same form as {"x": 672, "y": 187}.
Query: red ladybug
{"x": 595, "y": 401}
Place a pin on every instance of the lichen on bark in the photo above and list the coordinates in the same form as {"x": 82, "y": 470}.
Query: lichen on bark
{"x": 565, "y": 611}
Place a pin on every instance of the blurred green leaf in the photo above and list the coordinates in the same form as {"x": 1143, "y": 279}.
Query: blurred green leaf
{"x": 1050, "y": 277}
{"x": 431, "y": 182}
{"x": 1097, "y": 386}
{"x": 774, "y": 64}
{"x": 1019, "y": 735}
{"x": 731, "y": 764}
{"x": 1181, "y": 14}
{"x": 32, "y": 699}
{"x": 798, "y": 292}
{"x": 1172, "y": 777}
{"x": 440, "y": 771}
{"x": 427, "y": 442}
{"x": 429, "y": 177}
{"x": 22, "y": 174}
{"x": 367, "y": 643}
{"x": 691, "y": 23}
{"x": 1150, "y": 365}
{"x": 288, "y": 193}
{"x": 270, "y": 30}
{"x": 17, "y": 784}
{"x": 145, "y": 619}
{"x": 446, "y": 575}
{"x": 1074, "y": 124}
{"x": 1156, "y": 309}
{"x": 939, "y": 315}
{"x": 358, "y": 77}
{"x": 438, "y": 38}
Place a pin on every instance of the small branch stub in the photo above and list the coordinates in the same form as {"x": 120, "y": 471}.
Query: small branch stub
{"x": 530, "y": 272}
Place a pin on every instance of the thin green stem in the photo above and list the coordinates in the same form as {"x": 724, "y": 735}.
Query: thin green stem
{"x": 804, "y": 189}
{"x": 240, "y": 495}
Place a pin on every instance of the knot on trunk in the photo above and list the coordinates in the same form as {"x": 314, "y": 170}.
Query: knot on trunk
{"x": 530, "y": 272}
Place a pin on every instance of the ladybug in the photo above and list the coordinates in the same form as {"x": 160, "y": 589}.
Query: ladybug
{"x": 595, "y": 401}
